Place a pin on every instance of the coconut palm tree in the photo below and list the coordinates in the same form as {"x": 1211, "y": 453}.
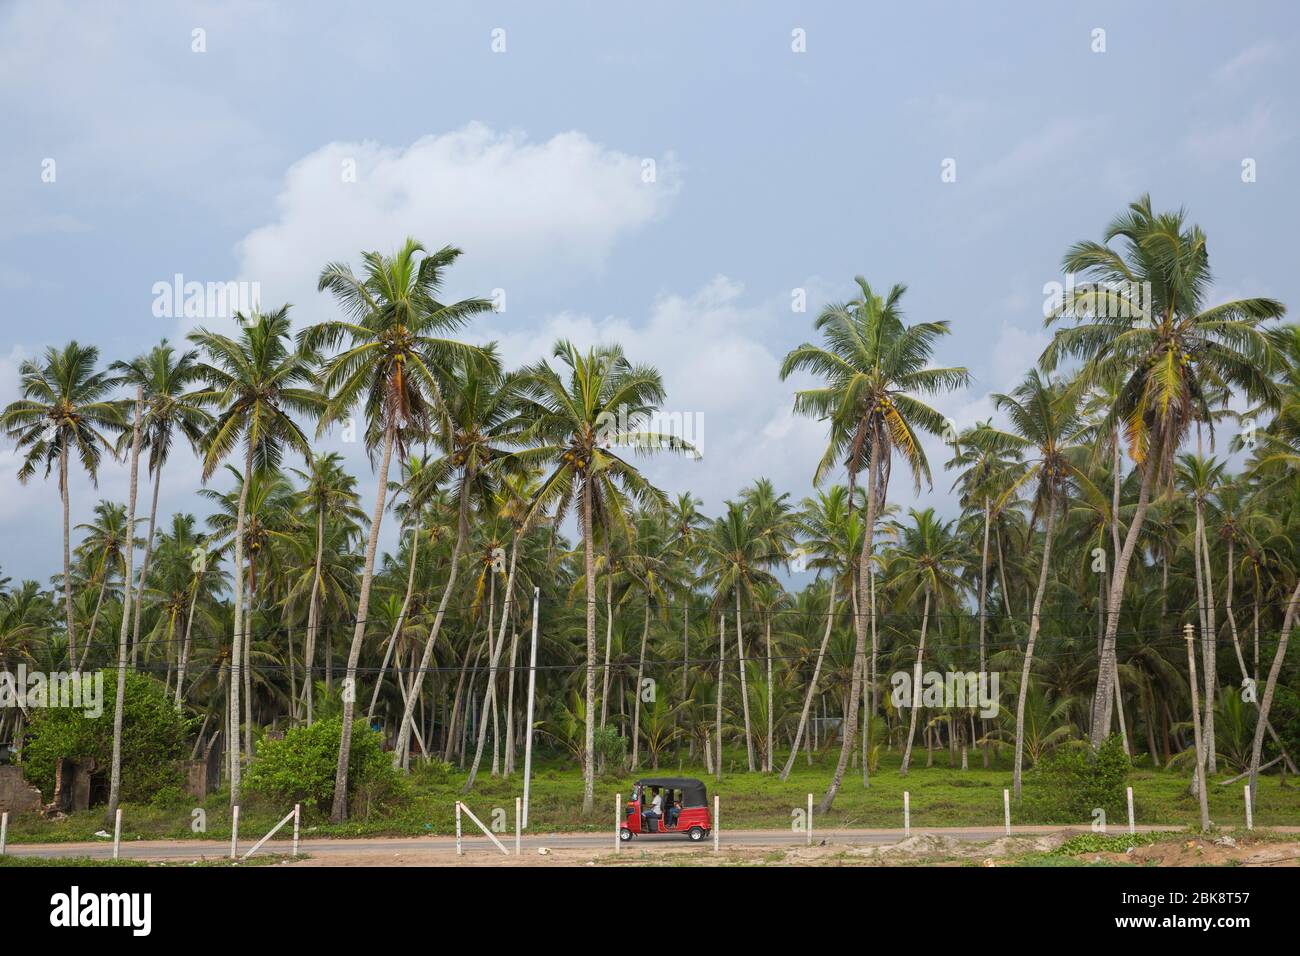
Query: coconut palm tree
{"x": 419, "y": 490}
{"x": 927, "y": 560}
{"x": 164, "y": 378}
{"x": 737, "y": 554}
{"x": 574, "y": 428}
{"x": 874, "y": 366}
{"x": 652, "y": 572}
{"x": 65, "y": 410}
{"x": 396, "y": 357}
{"x": 115, "y": 769}
{"x": 831, "y": 535}
{"x": 257, "y": 382}
{"x": 479, "y": 425}
{"x": 1279, "y": 458}
{"x": 1200, "y": 478}
{"x": 686, "y": 522}
{"x": 269, "y": 505}
{"x": 186, "y": 576}
{"x": 1046, "y": 423}
{"x": 101, "y": 548}
{"x": 1142, "y": 318}
{"x": 328, "y": 496}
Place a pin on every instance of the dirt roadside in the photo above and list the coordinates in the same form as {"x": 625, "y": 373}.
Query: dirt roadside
{"x": 934, "y": 850}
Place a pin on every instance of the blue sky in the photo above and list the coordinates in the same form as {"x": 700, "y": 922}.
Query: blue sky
{"x": 774, "y": 170}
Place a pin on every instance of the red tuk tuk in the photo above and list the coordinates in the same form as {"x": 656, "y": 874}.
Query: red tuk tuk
{"x": 682, "y": 807}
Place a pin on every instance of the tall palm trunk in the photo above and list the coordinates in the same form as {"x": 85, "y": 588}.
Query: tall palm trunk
{"x": 237, "y": 641}
{"x": 771, "y": 740}
{"x": 916, "y": 686}
{"x": 1228, "y": 610}
{"x": 1104, "y": 697}
{"x": 408, "y": 710}
{"x": 722, "y": 672}
{"x": 636, "y": 706}
{"x": 144, "y": 568}
{"x": 401, "y": 619}
{"x": 1236, "y": 645}
{"x": 609, "y": 632}
{"x": 870, "y": 704}
{"x": 457, "y": 716}
{"x": 490, "y": 693}
{"x": 1200, "y": 779}
{"x": 1267, "y": 701}
{"x": 1034, "y": 621}
{"x": 489, "y": 642}
{"x": 94, "y": 619}
{"x": 744, "y": 684}
{"x": 860, "y": 642}
{"x": 589, "y": 732}
{"x": 339, "y": 811}
{"x": 313, "y": 621}
{"x": 115, "y": 776}
{"x": 686, "y": 644}
{"x": 183, "y": 663}
{"x": 983, "y": 602}
{"x": 1211, "y": 646}
{"x": 509, "y": 767}
{"x": 248, "y": 657}
{"x": 812, "y": 687}
{"x": 67, "y": 553}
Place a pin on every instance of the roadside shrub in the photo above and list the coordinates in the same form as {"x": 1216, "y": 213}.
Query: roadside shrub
{"x": 299, "y": 768}
{"x": 609, "y": 746}
{"x": 1101, "y": 843}
{"x": 1284, "y": 715}
{"x": 1071, "y": 782}
{"x": 153, "y": 740}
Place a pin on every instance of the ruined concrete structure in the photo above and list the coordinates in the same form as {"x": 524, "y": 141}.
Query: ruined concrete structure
{"x": 16, "y": 794}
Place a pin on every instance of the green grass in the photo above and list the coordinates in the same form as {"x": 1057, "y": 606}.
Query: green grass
{"x": 940, "y": 796}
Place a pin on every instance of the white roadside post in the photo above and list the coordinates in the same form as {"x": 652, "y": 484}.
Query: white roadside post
{"x": 234, "y": 830}
{"x": 810, "y": 822}
{"x": 458, "y": 849}
{"x": 117, "y": 832}
{"x": 618, "y": 805}
{"x": 907, "y": 814}
{"x": 1250, "y": 819}
{"x": 716, "y": 827}
{"x": 1132, "y": 825}
{"x": 518, "y": 824}
{"x": 297, "y": 818}
{"x": 4, "y": 831}
{"x": 1006, "y": 810}
{"x": 528, "y": 726}
{"x": 291, "y": 815}
{"x": 479, "y": 823}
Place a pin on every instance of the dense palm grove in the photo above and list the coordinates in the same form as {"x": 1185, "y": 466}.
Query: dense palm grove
{"x": 1142, "y": 479}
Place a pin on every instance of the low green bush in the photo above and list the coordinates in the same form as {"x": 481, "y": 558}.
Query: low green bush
{"x": 299, "y": 768}
{"x": 153, "y": 739}
{"x": 1073, "y": 781}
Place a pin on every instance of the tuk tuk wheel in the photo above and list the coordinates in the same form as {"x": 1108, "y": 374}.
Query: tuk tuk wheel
{"x": 625, "y": 834}
{"x": 696, "y": 834}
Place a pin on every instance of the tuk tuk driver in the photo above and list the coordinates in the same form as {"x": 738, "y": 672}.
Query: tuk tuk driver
{"x": 656, "y": 804}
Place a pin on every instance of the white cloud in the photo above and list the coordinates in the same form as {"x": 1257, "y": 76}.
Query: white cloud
{"x": 1239, "y": 138}
{"x": 710, "y": 347}
{"x": 528, "y": 215}
{"x": 1257, "y": 53}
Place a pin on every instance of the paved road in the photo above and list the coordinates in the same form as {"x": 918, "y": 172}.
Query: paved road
{"x": 197, "y": 849}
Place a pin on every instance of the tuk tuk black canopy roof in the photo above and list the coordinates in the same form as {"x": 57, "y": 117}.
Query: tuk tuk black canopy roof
{"x": 694, "y": 793}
